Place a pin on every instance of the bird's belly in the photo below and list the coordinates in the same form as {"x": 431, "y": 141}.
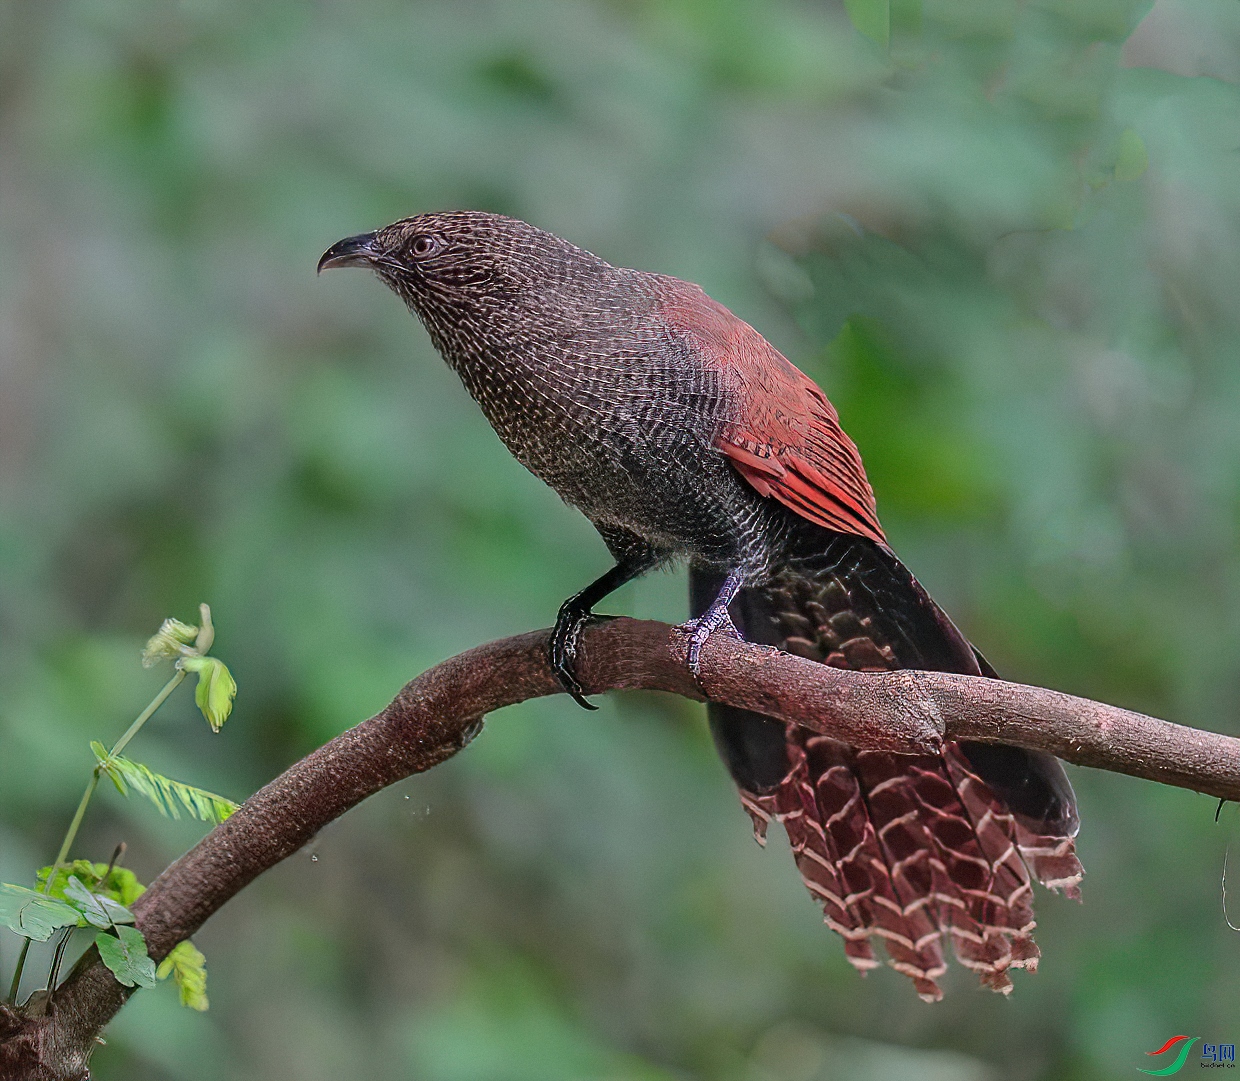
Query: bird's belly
{"x": 671, "y": 489}
{"x": 633, "y": 449}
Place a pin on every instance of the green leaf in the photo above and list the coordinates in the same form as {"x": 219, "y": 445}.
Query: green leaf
{"x": 1132, "y": 159}
{"x": 121, "y": 884}
{"x": 97, "y": 909}
{"x": 83, "y": 869}
{"x": 125, "y": 954}
{"x": 168, "y": 642}
{"x": 32, "y": 914}
{"x": 216, "y": 688}
{"x": 168, "y": 795}
{"x": 188, "y": 966}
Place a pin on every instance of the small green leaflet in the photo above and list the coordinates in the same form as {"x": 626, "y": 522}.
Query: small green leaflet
{"x": 32, "y": 914}
{"x": 97, "y": 909}
{"x": 168, "y": 795}
{"x": 168, "y": 642}
{"x": 125, "y": 954}
{"x": 216, "y": 688}
{"x": 188, "y": 967}
{"x": 120, "y": 883}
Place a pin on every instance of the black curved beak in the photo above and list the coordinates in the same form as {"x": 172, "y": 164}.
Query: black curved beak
{"x": 352, "y": 251}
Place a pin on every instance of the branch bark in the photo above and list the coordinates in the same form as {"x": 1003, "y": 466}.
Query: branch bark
{"x": 440, "y": 711}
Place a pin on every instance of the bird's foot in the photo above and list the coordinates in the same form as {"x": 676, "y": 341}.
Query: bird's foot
{"x": 715, "y": 618}
{"x": 565, "y": 638}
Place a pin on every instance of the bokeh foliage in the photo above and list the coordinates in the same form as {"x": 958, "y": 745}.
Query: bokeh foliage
{"x": 1005, "y": 238}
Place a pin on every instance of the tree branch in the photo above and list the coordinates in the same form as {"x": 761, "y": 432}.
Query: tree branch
{"x": 440, "y": 711}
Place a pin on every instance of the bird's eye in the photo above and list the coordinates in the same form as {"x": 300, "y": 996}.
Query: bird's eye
{"x": 423, "y": 245}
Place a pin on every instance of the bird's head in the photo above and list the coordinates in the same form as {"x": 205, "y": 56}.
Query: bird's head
{"x": 454, "y": 266}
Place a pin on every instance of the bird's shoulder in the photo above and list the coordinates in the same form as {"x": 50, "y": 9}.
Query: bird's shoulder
{"x": 782, "y": 433}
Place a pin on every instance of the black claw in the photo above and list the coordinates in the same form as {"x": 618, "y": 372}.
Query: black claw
{"x": 563, "y": 651}
{"x": 582, "y": 701}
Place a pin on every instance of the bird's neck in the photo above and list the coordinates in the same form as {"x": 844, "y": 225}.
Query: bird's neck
{"x": 552, "y": 356}
{"x": 532, "y": 339}
{"x": 476, "y": 345}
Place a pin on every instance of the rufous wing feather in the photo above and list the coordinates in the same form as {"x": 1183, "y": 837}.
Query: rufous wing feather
{"x": 784, "y": 436}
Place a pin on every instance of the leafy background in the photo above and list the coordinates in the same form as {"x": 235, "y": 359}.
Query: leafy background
{"x": 1005, "y": 238}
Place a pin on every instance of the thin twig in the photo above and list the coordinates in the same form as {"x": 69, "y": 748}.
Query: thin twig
{"x": 1226, "y": 918}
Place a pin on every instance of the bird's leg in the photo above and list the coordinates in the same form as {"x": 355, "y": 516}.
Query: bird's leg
{"x": 714, "y": 618}
{"x": 574, "y": 614}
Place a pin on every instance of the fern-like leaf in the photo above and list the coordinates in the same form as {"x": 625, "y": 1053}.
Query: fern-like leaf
{"x": 171, "y": 797}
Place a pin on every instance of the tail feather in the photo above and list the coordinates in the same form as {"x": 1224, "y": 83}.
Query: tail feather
{"x": 824, "y": 856}
{"x": 1049, "y": 854}
{"x": 906, "y": 850}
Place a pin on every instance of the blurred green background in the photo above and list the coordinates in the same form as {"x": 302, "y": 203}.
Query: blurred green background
{"x": 1004, "y": 236}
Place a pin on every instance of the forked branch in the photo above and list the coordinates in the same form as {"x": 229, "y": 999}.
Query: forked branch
{"x": 440, "y": 711}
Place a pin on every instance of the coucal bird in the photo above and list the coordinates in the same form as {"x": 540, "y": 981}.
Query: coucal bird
{"x": 681, "y": 433}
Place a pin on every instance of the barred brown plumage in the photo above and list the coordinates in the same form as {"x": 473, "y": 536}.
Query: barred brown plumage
{"x": 681, "y": 433}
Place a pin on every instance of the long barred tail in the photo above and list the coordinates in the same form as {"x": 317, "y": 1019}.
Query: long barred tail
{"x": 923, "y": 854}
{"x": 911, "y": 851}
